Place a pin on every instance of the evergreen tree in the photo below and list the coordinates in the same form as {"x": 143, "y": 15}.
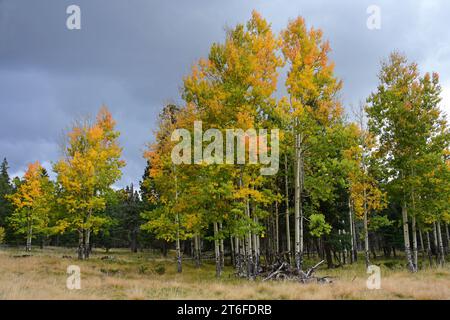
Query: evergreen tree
{"x": 6, "y": 188}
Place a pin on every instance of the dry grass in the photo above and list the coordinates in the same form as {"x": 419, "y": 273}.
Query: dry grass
{"x": 133, "y": 276}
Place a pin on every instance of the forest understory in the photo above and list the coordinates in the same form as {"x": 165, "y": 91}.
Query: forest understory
{"x": 120, "y": 274}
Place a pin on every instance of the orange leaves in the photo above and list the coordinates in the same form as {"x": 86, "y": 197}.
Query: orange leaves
{"x": 244, "y": 120}
{"x": 92, "y": 163}
{"x": 30, "y": 190}
{"x": 239, "y": 75}
{"x": 95, "y": 133}
{"x": 310, "y": 78}
{"x": 32, "y": 201}
{"x": 292, "y": 38}
{"x": 105, "y": 119}
{"x": 33, "y": 172}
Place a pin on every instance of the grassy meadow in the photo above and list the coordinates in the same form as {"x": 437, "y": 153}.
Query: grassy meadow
{"x": 120, "y": 274}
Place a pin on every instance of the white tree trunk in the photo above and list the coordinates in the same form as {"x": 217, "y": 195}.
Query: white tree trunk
{"x": 249, "y": 251}
{"x": 197, "y": 252}
{"x": 406, "y": 239}
{"x": 435, "y": 242}
{"x": 222, "y": 248}
{"x": 177, "y": 223}
{"x": 29, "y": 236}
{"x": 298, "y": 205}
{"x": 277, "y": 229}
{"x": 441, "y": 245}
{"x": 366, "y": 233}
{"x": 288, "y": 231}
{"x": 217, "y": 250}
{"x": 351, "y": 227}
{"x": 87, "y": 244}
{"x": 178, "y": 246}
{"x": 257, "y": 251}
{"x": 448, "y": 238}
{"x": 414, "y": 238}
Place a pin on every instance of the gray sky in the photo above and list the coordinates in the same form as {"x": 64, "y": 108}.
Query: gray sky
{"x": 132, "y": 56}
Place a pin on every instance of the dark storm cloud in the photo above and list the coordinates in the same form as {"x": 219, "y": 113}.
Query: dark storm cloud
{"x": 132, "y": 55}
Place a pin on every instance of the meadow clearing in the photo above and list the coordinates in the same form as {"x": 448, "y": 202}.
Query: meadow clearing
{"x": 120, "y": 274}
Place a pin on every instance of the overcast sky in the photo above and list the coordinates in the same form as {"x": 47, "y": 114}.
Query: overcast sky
{"x": 132, "y": 56}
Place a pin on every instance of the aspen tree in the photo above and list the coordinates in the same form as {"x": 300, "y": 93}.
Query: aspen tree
{"x": 89, "y": 166}
{"x": 32, "y": 202}
{"x": 312, "y": 90}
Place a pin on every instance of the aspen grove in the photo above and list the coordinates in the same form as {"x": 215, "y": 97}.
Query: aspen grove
{"x": 347, "y": 185}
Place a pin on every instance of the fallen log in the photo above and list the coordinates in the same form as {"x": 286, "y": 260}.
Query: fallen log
{"x": 278, "y": 271}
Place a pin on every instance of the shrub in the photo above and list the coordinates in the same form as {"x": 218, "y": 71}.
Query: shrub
{"x": 142, "y": 269}
{"x": 160, "y": 269}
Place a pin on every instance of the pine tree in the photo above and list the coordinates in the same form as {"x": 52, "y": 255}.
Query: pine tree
{"x": 5, "y": 189}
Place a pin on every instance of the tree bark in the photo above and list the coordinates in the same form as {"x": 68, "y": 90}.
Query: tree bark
{"x": 254, "y": 251}
{"x": 429, "y": 253}
{"x": 233, "y": 256}
{"x": 414, "y": 238}
{"x": 258, "y": 253}
{"x": 406, "y": 239}
{"x": 237, "y": 255}
{"x": 352, "y": 240}
{"x": 217, "y": 250}
{"x": 87, "y": 246}
{"x": 435, "y": 242}
{"x": 298, "y": 204}
{"x": 422, "y": 247}
{"x": 355, "y": 237}
{"x": 448, "y": 238}
{"x": 222, "y": 248}
{"x": 29, "y": 236}
{"x": 177, "y": 223}
{"x": 81, "y": 242}
{"x": 288, "y": 231}
{"x": 197, "y": 252}
{"x": 413, "y": 228}
{"x": 178, "y": 246}
{"x": 249, "y": 251}
{"x": 366, "y": 232}
{"x": 441, "y": 245}
{"x": 277, "y": 230}
{"x": 133, "y": 242}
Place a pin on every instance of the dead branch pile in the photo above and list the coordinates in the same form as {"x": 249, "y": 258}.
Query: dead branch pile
{"x": 282, "y": 270}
